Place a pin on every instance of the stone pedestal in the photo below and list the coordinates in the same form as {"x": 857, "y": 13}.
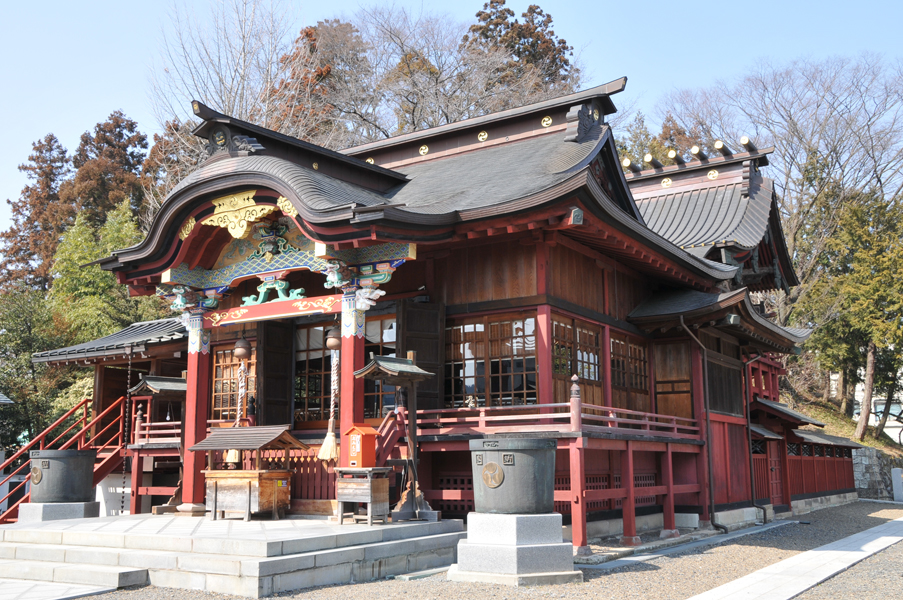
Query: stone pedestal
{"x": 514, "y": 550}
{"x": 897, "y": 483}
{"x": 35, "y": 512}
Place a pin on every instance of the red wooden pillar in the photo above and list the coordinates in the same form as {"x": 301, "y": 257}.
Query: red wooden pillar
{"x": 197, "y": 404}
{"x": 578, "y": 496}
{"x": 351, "y": 390}
{"x": 628, "y": 506}
{"x": 669, "y": 528}
{"x": 606, "y": 365}
{"x": 544, "y": 355}
{"x": 702, "y": 470}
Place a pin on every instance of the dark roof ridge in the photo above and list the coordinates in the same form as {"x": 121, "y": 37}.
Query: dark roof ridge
{"x": 211, "y": 116}
{"x": 604, "y": 90}
{"x": 694, "y": 165}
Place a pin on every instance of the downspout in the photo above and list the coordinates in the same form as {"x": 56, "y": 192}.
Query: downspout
{"x": 752, "y": 478}
{"x": 708, "y": 422}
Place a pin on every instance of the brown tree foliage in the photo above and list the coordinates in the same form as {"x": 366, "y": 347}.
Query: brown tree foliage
{"x": 108, "y": 163}
{"x": 39, "y": 217}
{"x": 531, "y": 43}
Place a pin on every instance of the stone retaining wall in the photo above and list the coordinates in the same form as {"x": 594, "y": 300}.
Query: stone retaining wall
{"x": 871, "y": 472}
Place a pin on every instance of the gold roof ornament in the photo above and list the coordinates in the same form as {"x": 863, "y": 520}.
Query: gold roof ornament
{"x": 286, "y": 207}
{"x": 546, "y": 121}
{"x": 187, "y": 228}
{"x": 237, "y": 212}
{"x": 482, "y": 136}
{"x": 424, "y": 149}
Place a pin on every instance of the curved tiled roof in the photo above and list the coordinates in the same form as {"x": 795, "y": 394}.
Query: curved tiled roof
{"x": 136, "y": 336}
{"x": 318, "y": 191}
{"x": 697, "y": 219}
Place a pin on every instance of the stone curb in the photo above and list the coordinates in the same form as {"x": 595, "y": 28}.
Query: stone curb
{"x": 710, "y": 538}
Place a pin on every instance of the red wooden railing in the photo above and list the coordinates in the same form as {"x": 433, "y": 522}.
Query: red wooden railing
{"x": 562, "y": 417}
{"x": 89, "y": 433}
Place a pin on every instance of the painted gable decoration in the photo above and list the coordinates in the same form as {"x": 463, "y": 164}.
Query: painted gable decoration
{"x": 237, "y": 213}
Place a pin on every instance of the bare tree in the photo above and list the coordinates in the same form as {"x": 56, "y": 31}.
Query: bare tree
{"x": 837, "y": 128}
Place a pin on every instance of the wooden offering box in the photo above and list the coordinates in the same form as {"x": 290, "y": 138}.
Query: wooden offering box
{"x": 369, "y": 486}
{"x": 249, "y": 491}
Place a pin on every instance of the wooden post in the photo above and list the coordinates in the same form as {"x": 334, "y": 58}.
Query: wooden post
{"x": 351, "y": 403}
{"x": 576, "y": 405}
{"x": 544, "y": 346}
{"x": 606, "y": 365}
{"x": 670, "y": 528}
{"x": 698, "y": 390}
{"x": 197, "y": 404}
{"x": 578, "y": 496}
{"x": 628, "y": 506}
{"x": 137, "y": 475}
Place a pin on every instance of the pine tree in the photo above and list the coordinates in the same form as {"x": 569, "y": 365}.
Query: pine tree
{"x": 39, "y": 218}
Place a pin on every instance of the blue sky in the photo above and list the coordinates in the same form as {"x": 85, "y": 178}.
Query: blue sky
{"x": 65, "y": 66}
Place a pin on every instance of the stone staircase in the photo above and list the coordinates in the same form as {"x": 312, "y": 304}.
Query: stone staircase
{"x": 230, "y": 565}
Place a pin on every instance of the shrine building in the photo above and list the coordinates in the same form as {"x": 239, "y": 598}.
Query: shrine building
{"x": 514, "y": 257}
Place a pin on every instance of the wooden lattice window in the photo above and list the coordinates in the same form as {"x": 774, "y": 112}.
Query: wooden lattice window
{"x": 313, "y": 374}
{"x": 577, "y": 350}
{"x": 629, "y": 373}
{"x": 793, "y": 449}
{"x": 491, "y": 361}
{"x": 819, "y": 450}
{"x": 807, "y": 450}
{"x": 758, "y": 446}
{"x": 379, "y": 334}
{"x": 226, "y": 402}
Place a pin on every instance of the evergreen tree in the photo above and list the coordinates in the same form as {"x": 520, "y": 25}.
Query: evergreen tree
{"x": 91, "y": 299}
{"x": 39, "y": 217}
{"x": 531, "y": 42}
{"x": 108, "y": 164}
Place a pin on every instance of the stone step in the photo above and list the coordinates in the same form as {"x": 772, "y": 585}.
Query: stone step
{"x": 224, "y": 563}
{"x": 62, "y": 572}
{"x": 212, "y": 544}
{"x": 250, "y": 576}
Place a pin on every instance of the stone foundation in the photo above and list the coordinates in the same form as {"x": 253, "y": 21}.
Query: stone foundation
{"x": 871, "y": 472}
{"x": 801, "y": 507}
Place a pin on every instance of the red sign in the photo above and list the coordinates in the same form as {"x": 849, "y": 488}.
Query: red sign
{"x": 278, "y": 309}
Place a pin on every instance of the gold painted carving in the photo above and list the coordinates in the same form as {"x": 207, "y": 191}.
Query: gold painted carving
{"x": 713, "y": 175}
{"x": 666, "y": 182}
{"x": 482, "y": 136}
{"x": 237, "y": 212}
{"x": 187, "y": 228}
{"x": 316, "y": 166}
{"x": 424, "y": 149}
{"x": 216, "y": 317}
{"x": 546, "y": 121}
{"x": 286, "y": 207}
{"x": 370, "y": 160}
{"x": 321, "y": 304}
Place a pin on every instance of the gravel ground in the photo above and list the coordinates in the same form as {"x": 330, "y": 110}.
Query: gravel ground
{"x": 879, "y": 577}
{"x": 673, "y": 577}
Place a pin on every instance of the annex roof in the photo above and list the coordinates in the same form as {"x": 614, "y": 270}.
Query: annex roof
{"x": 784, "y": 411}
{"x": 137, "y": 337}
{"x": 5, "y": 400}
{"x": 699, "y": 307}
{"x": 696, "y": 220}
{"x": 817, "y": 437}
{"x": 249, "y": 438}
{"x": 764, "y": 432}
{"x": 156, "y": 384}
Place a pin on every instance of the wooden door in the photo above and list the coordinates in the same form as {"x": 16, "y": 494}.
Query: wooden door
{"x": 275, "y": 372}
{"x": 775, "y": 473}
{"x": 421, "y": 327}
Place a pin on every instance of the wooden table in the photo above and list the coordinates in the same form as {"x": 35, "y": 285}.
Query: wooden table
{"x": 369, "y": 486}
{"x": 248, "y": 491}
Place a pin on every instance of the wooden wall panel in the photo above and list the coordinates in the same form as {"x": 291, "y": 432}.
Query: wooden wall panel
{"x": 576, "y": 278}
{"x": 487, "y": 272}
{"x": 627, "y": 293}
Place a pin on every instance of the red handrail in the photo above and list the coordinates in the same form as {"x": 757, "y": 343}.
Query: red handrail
{"x": 41, "y": 436}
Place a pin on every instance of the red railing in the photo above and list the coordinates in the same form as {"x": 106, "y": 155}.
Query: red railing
{"x": 562, "y": 417}
{"x": 106, "y": 438}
